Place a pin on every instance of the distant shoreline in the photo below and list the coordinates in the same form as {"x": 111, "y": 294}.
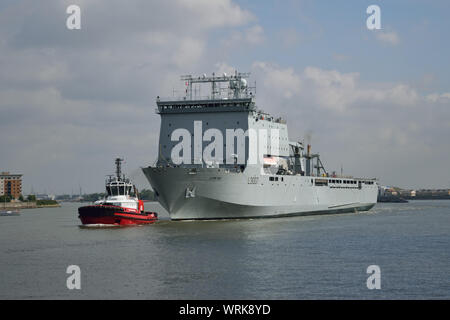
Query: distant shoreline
{"x": 27, "y": 205}
{"x": 49, "y": 205}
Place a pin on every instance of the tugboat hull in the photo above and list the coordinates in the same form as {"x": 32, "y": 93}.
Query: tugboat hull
{"x": 114, "y": 215}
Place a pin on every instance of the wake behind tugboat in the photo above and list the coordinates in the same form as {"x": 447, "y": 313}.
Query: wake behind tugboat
{"x": 121, "y": 207}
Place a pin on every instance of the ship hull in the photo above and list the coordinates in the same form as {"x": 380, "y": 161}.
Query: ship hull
{"x": 113, "y": 215}
{"x": 208, "y": 193}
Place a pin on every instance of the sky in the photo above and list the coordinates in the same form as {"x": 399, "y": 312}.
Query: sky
{"x": 374, "y": 102}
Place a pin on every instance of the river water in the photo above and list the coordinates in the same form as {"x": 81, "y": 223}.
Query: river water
{"x": 315, "y": 257}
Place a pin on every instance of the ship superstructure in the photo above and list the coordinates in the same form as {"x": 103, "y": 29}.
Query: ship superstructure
{"x": 220, "y": 157}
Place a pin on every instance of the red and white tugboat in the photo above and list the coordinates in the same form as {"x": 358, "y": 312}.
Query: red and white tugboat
{"x": 120, "y": 207}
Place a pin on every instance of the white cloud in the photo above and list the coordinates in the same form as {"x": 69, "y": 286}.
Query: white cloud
{"x": 188, "y": 52}
{"x": 253, "y": 35}
{"x": 403, "y": 95}
{"x": 222, "y": 67}
{"x": 331, "y": 89}
{"x": 439, "y": 97}
{"x": 281, "y": 81}
{"x": 218, "y": 13}
{"x": 389, "y": 37}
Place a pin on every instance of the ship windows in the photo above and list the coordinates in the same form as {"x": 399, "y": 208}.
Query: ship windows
{"x": 321, "y": 182}
{"x": 117, "y": 190}
{"x": 114, "y": 191}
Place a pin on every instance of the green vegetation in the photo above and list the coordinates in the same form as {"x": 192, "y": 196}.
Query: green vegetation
{"x": 146, "y": 194}
{"x": 93, "y": 197}
{"x": 5, "y": 198}
{"x": 46, "y": 202}
{"x": 64, "y": 197}
{"x": 31, "y": 197}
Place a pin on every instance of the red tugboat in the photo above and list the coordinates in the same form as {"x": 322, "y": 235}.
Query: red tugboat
{"x": 121, "y": 206}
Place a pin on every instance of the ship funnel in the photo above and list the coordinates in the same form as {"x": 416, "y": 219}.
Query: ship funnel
{"x": 119, "y": 168}
{"x": 308, "y": 160}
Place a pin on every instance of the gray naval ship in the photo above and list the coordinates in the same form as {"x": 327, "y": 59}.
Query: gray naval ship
{"x": 220, "y": 157}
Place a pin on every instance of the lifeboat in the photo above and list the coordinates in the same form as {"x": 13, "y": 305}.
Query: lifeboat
{"x": 120, "y": 207}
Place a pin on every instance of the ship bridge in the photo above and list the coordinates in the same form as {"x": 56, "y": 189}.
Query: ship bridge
{"x": 229, "y": 93}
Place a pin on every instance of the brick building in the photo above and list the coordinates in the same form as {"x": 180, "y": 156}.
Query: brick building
{"x": 10, "y": 184}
